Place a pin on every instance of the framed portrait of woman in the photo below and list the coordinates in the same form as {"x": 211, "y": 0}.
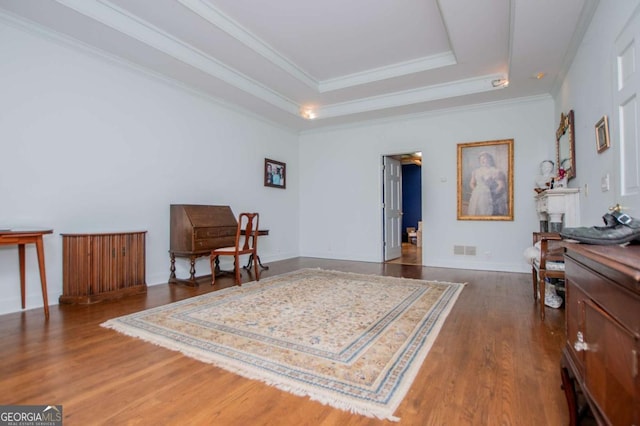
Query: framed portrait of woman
{"x": 485, "y": 180}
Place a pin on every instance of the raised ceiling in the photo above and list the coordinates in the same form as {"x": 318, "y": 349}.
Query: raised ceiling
{"x": 336, "y": 61}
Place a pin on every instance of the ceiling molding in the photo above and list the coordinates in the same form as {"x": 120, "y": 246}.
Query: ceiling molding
{"x": 584, "y": 20}
{"x": 66, "y": 41}
{"x": 408, "y": 97}
{"x": 216, "y": 17}
{"x": 428, "y": 114}
{"x": 390, "y": 71}
{"x": 109, "y": 14}
{"x": 122, "y": 21}
{"x": 225, "y": 23}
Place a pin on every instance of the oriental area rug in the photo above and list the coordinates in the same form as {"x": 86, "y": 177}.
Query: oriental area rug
{"x": 354, "y": 342}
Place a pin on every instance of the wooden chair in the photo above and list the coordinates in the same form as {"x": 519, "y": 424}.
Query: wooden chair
{"x": 246, "y": 243}
{"x": 550, "y": 264}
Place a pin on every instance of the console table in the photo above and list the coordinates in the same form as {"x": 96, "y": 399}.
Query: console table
{"x": 20, "y": 237}
{"x": 558, "y": 207}
{"x": 600, "y": 361}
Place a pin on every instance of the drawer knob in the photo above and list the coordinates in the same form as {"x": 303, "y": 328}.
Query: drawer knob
{"x": 580, "y": 345}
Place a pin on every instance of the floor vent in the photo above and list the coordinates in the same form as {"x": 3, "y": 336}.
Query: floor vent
{"x": 464, "y": 250}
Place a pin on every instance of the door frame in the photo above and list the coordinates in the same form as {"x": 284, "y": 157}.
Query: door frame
{"x": 382, "y": 198}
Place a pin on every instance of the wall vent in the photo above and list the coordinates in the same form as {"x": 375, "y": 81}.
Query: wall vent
{"x": 465, "y": 250}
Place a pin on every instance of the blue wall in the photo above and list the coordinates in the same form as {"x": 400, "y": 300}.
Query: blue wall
{"x": 411, "y": 196}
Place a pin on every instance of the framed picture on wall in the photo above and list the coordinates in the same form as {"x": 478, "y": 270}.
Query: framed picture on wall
{"x": 275, "y": 173}
{"x": 602, "y": 134}
{"x": 485, "y": 180}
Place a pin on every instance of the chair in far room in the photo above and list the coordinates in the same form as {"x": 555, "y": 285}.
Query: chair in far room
{"x": 245, "y": 243}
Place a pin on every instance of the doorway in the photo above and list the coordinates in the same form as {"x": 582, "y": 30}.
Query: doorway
{"x": 402, "y": 208}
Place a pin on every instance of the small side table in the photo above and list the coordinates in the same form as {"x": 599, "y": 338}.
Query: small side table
{"x": 21, "y": 237}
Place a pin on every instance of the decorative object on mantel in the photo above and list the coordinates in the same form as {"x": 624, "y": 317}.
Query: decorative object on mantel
{"x": 602, "y": 134}
{"x": 359, "y": 350}
{"x": 545, "y": 178}
{"x": 561, "y": 179}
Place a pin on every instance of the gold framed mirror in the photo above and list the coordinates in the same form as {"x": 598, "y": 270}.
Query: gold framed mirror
{"x": 565, "y": 145}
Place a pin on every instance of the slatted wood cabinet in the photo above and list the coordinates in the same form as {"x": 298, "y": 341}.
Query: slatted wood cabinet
{"x": 102, "y": 266}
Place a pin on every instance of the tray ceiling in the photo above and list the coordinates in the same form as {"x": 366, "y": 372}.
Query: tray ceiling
{"x": 307, "y": 65}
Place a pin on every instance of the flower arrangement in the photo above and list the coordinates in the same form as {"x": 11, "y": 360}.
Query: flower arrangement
{"x": 561, "y": 181}
{"x": 561, "y": 173}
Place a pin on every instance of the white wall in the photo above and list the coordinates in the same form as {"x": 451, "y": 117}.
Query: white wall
{"x": 588, "y": 90}
{"x": 341, "y": 184}
{"x": 89, "y": 145}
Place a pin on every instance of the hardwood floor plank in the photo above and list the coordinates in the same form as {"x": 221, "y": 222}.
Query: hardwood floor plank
{"x": 494, "y": 362}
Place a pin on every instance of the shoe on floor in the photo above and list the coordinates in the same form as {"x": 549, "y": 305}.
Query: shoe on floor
{"x": 551, "y": 298}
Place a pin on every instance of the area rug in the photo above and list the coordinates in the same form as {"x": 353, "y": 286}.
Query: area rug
{"x": 352, "y": 341}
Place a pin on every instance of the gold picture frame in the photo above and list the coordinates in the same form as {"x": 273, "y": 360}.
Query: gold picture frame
{"x": 602, "y": 134}
{"x": 485, "y": 180}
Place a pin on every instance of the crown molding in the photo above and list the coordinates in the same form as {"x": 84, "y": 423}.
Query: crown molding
{"x": 216, "y": 17}
{"x": 426, "y": 114}
{"x": 584, "y": 20}
{"x": 120, "y": 20}
{"x": 213, "y": 15}
{"x": 408, "y": 97}
{"x": 390, "y": 71}
{"x": 66, "y": 41}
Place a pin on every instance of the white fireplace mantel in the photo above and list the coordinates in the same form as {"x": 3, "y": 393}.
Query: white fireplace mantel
{"x": 559, "y": 207}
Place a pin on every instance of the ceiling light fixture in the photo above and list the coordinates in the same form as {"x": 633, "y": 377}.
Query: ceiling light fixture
{"x": 501, "y": 82}
{"x": 540, "y": 75}
{"x": 307, "y": 113}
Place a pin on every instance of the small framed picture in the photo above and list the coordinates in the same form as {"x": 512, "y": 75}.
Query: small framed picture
{"x": 602, "y": 134}
{"x": 275, "y": 174}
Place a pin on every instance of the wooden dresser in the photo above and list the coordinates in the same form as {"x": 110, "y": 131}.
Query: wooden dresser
{"x": 102, "y": 266}
{"x": 196, "y": 230}
{"x": 600, "y": 361}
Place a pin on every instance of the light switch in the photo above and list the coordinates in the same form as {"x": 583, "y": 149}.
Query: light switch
{"x": 604, "y": 183}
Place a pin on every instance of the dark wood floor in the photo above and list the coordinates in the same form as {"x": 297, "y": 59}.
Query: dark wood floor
{"x": 411, "y": 255}
{"x": 494, "y": 363}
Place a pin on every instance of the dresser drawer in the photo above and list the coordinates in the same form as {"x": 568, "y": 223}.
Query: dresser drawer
{"x": 211, "y": 243}
{"x": 214, "y": 232}
{"x": 621, "y": 303}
